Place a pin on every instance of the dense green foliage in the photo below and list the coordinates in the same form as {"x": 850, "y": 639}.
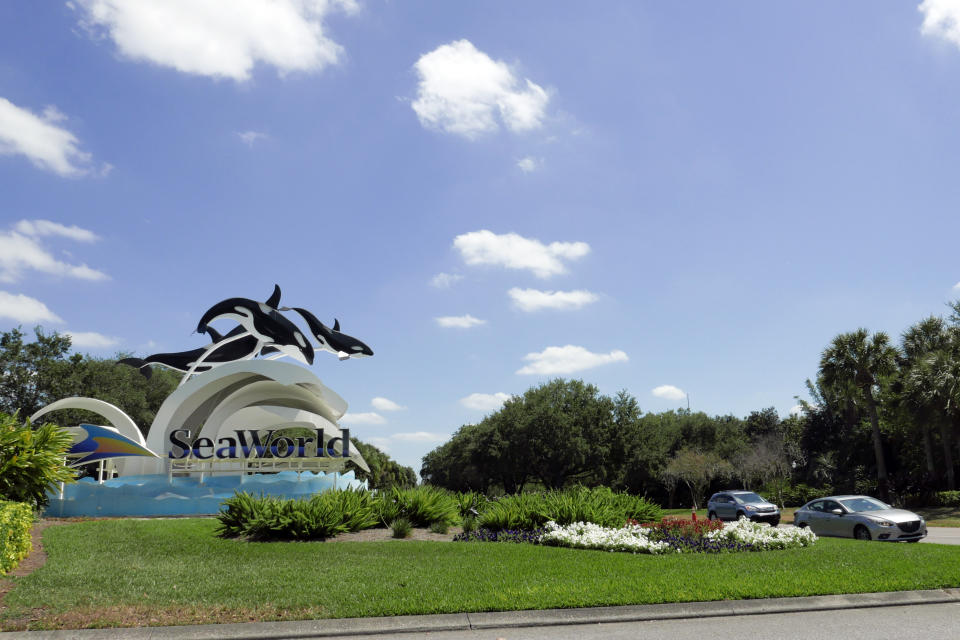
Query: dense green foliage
{"x": 321, "y": 516}
{"x": 16, "y": 519}
{"x": 206, "y": 579}
{"x": 599, "y": 505}
{"x": 385, "y": 472}
{"x": 31, "y": 460}
{"x": 422, "y": 506}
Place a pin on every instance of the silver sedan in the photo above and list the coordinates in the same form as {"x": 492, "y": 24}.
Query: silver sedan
{"x": 860, "y": 517}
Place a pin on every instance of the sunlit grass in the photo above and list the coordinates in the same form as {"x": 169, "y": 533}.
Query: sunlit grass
{"x": 124, "y": 572}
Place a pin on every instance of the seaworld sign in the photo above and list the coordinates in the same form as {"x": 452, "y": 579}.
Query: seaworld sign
{"x": 249, "y": 443}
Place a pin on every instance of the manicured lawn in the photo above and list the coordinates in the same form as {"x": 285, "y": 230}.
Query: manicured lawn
{"x": 122, "y": 572}
{"x": 786, "y": 515}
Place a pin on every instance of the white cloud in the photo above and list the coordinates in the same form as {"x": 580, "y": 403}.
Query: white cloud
{"x": 459, "y": 322}
{"x": 380, "y": 443}
{"x": 46, "y": 145}
{"x": 363, "y": 418}
{"x": 445, "y": 280}
{"x": 38, "y": 228}
{"x": 250, "y": 137}
{"x": 535, "y": 300}
{"x": 567, "y": 359}
{"x": 941, "y": 18}
{"x": 796, "y": 410}
{"x": 383, "y": 404}
{"x": 528, "y": 164}
{"x": 21, "y": 308}
{"x": 669, "y": 392}
{"x": 956, "y": 287}
{"x": 20, "y": 252}
{"x": 513, "y": 251}
{"x": 485, "y": 401}
{"x": 216, "y": 38}
{"x": 91, "y": 340}
{"x": 420, "y": 436}
{"x": 463, "y": 91}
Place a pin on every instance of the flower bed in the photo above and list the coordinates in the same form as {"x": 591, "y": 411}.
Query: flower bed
{"x": 761, "y": 536}
{"x": 586, "y": 535}
{"x": 667, "y": 537}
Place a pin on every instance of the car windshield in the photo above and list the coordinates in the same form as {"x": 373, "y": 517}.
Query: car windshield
{"x": 748, "y": 497}
{"x": 864, "y": 504}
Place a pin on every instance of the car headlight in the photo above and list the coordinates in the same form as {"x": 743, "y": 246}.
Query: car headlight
{"x": 880, "y": 521}
{"x": 749, "y": 507}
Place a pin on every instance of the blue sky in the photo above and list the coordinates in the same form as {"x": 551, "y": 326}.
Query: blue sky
{"x": 688, "y": 198}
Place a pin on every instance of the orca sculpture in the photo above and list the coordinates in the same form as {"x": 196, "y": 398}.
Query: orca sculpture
{"x": 341, "y": 344}
{"x": 263, "y": 322}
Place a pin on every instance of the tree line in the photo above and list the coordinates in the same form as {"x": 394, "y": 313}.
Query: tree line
{"x": 882, "y": 419}
{"x": 35, "y": 373}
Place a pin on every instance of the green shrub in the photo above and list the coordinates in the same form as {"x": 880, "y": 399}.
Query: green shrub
{"x": 31, "y": 460}
{"x": 471, "y": 502}
{"x": 946, "y": 499}
{"x": 321, "y": 516}
{"x": 796, "y": 495}
{"x": 599, "y": 505}
{"x": 16, "y": 519}
{"x": 439, "y": 527}
{"x": 422, "y": 505}
{"x": 401, "y": 528}
{"x": 469, "y": 524}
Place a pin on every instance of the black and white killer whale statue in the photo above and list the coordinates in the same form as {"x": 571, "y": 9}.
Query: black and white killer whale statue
{"x": 262, "y": 330}
{"x": 238, "y": 344}
{"x": 263, "y": 321}
{"x": 332, "y": 340}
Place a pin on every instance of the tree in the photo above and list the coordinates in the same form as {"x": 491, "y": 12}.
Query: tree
{"x": 31, "y": 373}
{"x": 568, "y": 426}
{"x": 385, "y": 472}
{"x": 855, "y": 363}
{"x": 696, "y": 470}
{"x": 927, "y": 382}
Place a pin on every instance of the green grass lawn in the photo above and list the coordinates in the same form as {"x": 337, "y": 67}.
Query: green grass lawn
{"x": 122, "y": 572}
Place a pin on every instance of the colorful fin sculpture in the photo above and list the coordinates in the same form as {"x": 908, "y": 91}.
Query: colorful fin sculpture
{"x": 92, "y": 443}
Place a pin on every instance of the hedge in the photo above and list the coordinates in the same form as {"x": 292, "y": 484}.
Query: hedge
{"x": 16, "y": 519}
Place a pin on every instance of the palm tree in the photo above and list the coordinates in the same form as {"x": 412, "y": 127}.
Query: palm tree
{"x": 936, "y": 380}
{"x": 855, "y": 362}
{"x": 918, "y": 342}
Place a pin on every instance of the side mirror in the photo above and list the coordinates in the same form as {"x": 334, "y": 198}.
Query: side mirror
{"x": 837, "y": 512}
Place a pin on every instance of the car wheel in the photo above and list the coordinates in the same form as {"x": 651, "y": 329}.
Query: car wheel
{"x": 741, "y": 514}
{"x": 802, "y": 525}
{"x": 775, "y": 523}
{"x": 711, "y": 516}
{"x": 860, "y": 532}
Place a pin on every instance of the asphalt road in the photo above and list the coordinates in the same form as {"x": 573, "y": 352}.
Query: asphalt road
{"x": 936, "y": 535}
{"x": 944, "y": 535}
{"x": 915, "y": 622}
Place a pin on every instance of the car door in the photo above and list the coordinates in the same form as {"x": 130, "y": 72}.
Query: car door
{"x": 832, "y": 524}
{"x": 815, "y": 517}
{"x": 725, "y": 507}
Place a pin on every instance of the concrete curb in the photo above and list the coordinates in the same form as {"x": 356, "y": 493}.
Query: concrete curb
{"x": 498, "y": 619}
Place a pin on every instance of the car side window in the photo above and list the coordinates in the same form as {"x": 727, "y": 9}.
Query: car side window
{"x": 830, "y": 505}
{"x": 816, "y": 506}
